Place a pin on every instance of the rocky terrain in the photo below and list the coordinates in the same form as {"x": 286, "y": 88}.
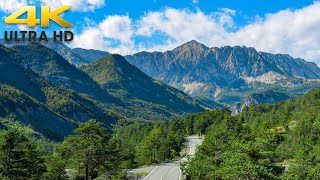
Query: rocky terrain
{"x": 227, "y": 75}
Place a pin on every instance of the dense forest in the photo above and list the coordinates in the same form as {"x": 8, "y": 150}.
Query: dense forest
{"x": 278, "y": 141}
{"x": 264, "y": 142}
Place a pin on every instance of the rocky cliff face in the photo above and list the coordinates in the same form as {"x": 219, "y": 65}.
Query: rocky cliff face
{"x": 269, "y": 97}
{"x": 227, "y": 74}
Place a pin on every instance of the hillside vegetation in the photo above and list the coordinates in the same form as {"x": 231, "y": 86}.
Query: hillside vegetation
{"x": 278, "y": 141}
{"x": 265, "y": 142}
{"x": 143, "y": 97}
{"x": 112, "y": 83}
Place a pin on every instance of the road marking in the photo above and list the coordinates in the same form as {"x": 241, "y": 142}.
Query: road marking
{"x": 150, "y": 173}
{"x": 165, "y": 173}
{"x": 193, "y": 142}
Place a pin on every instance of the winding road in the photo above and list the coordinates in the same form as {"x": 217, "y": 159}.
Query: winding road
{"x": 171, "y": 170}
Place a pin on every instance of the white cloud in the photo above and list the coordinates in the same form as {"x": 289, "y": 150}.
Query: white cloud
{"x": 77, "y": 5}
{"x": 114, "y": 34}
{"x": 117, "y": 27}
{"x": 10, "y": 6}
{"x": 294, "y": 32}
{"x": 183, "y": 25}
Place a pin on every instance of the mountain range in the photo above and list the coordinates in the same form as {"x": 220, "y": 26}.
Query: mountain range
{"x": 227, "y": 75}
{"x": 51, "y": 87}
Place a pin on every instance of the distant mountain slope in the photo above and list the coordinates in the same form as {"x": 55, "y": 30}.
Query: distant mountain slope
{"x": 14, "y": 74}
{"x": 131, "y": 85}
{"x": 90, "y": 55}
{"x": 228, "y": 74}
{"x": 18, "y": 105}
{"x": 66, "y": 53}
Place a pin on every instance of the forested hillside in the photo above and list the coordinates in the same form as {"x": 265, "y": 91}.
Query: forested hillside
{"x": 142, "y": 96}
{"x": 278, "y": 141}
{"x": 16, "y": 105}
{"x": 265, "y": 142}
{"x": 133, "y": 94}
{"x": 65, "y": 103}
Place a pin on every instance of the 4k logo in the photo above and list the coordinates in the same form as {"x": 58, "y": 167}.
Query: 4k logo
{"x": 46, "y": 16}
{"x": 32, "y": 21}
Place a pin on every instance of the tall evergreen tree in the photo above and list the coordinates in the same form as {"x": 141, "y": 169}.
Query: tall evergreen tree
{"x": 20, "y": 158}
{"x": 88, "y": 149}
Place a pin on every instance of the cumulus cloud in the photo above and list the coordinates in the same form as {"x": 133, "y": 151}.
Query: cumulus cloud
{"x": 181, "y": 25}
{"x": 114, "y": 34}
{"x": 10, "y": 6}
{"x": 77, "y": 5}
{"x": 294, "y": 32}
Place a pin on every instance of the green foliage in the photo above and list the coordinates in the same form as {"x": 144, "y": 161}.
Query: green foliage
{"x": 278, "y": 141}
{"x": 144, "y": 97}
{"x": 147, "y": 143}
{"x": 88, "y": 151}
{"x": 56, "y": 167}
{"x": 27, "y": 95}
{"x": 20, "y": 157}
{"x": 18, "y": 106}
{"x": 159, "y": 145}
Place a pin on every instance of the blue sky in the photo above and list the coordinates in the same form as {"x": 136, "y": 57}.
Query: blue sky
{"x": 246, "y": 8}
{"x": 128, "y": 26}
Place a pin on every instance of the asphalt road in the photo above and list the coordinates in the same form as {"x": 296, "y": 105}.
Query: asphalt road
{"x": 171, "y": 171}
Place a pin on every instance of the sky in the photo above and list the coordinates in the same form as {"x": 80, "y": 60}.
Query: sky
{"x": 129, "y": 26}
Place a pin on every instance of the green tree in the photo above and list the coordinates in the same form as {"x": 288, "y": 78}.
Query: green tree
{"x": 20, "y": 157}
{"x": 56, "y": 167}
{"x": 87, "y": 149}
{"x": 148, "y": 151}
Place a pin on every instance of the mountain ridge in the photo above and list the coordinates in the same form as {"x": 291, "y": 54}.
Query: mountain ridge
{"x": 205, "y": 72}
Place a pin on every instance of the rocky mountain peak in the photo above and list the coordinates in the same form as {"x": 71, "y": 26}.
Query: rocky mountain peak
{"x": 193, "y": 46}
{"x": 191, "y": 51}
{"x": 226, "y": 74}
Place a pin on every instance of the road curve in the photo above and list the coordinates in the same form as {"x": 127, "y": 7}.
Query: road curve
{"x": 171, "y": 171}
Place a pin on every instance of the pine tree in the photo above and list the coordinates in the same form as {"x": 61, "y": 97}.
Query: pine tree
{"x": 56, "y": 167}
{"x": 20, "y": 157}
{"x": 88, "y": 149}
